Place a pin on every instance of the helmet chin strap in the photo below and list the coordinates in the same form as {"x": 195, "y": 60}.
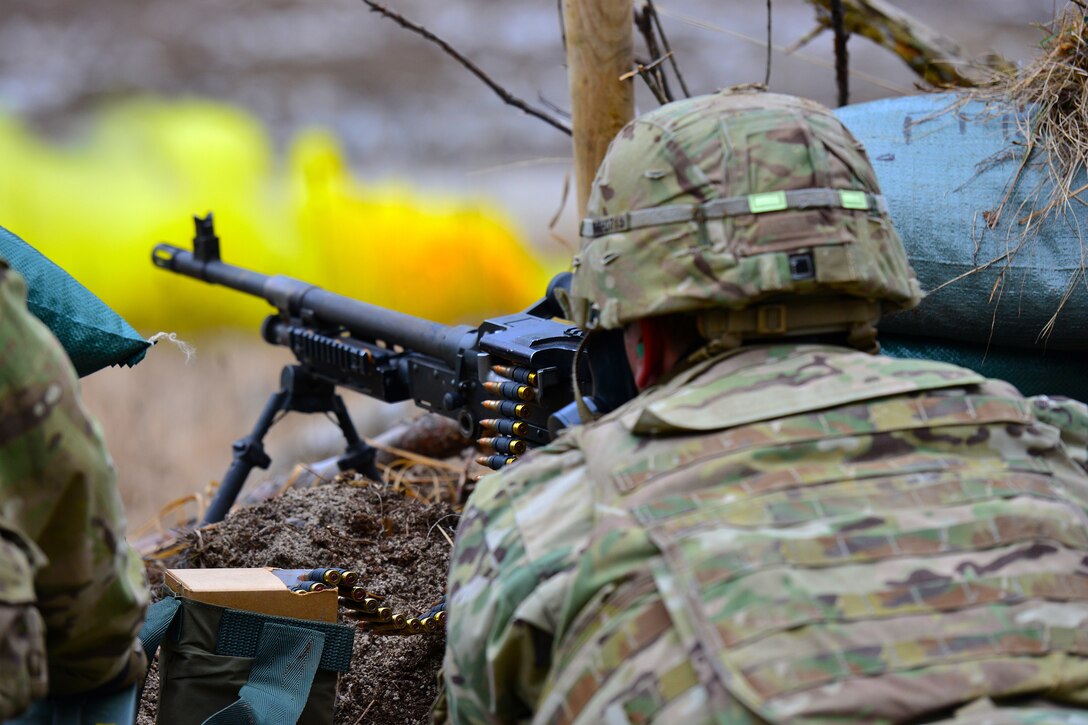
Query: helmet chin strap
{"x": 583, "y": 410}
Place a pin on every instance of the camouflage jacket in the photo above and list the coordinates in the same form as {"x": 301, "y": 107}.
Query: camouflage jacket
{"x": 781, "y": 533}
{"x": 65, "y": 567}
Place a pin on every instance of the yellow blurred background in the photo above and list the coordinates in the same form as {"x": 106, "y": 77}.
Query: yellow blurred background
{"x": 97, "y": 205}
{"x": 96, "y": 208}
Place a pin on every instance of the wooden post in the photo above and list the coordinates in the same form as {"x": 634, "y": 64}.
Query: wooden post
{"x": 600, "y": 49}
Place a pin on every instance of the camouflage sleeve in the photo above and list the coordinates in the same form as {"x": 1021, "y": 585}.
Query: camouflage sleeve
{"x": 22, "y": 634}
{"x": 513, "y": 559}
{"x": 1070, "y": 417}
{"x": 57, "y": 485}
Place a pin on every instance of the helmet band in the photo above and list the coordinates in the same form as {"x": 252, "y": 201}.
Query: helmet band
{"x": 736, "y": 206}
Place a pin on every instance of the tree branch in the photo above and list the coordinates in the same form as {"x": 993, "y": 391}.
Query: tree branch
{"x": 644, "y": 23}
{"x": 501, "y": 92}
{"x": 648, "y": 74}
{"x": 933, "y": 56}
{"x": 668, "y": 50}
{"x": 842, "y": 64}
{"x": 770, "y": 46}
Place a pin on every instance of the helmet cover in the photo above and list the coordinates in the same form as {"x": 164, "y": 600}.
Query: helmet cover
{"x": 730, "y": 200}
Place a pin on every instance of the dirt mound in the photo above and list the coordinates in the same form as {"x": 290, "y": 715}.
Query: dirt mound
{"x": 399, "y": 544}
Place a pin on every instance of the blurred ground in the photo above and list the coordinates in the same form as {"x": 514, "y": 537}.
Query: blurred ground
{"x": 402, "y": 109}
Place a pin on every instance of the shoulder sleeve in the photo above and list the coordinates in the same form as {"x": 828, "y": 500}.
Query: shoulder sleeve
{"x": 1070, "y": 417}
{"x": 57, "y": 486}
{"x": 516, "y": 550}
{"x": 22, "y": 636}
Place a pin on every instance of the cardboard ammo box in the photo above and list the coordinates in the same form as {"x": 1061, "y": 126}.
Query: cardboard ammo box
{"x": 253, "y": 590}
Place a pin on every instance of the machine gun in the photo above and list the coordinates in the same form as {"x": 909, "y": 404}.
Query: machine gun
{"x": 507, "y": 382}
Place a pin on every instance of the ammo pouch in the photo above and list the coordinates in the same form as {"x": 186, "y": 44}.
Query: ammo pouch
{"x": 221, "y": 666}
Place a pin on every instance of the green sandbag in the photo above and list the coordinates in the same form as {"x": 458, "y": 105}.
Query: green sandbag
{"x": 941, "y": 174}
{"x": 1033, "y": 372}
{"x": 93, "y": 335}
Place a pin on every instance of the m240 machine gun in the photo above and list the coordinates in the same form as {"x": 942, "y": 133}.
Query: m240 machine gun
{"x": 508, "y": 382}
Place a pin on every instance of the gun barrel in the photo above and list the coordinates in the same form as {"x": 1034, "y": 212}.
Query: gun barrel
{"x": 294, "y": 297}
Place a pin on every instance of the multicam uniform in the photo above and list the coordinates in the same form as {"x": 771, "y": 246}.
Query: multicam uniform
{"x": 789, "y": 532}
{"x": 779, "y": 531}
{"x": 72, "y": 593}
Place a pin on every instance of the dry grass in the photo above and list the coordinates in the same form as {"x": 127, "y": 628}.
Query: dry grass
{"x": 1051, "y": 95}
{"x": 1049, "y": 100}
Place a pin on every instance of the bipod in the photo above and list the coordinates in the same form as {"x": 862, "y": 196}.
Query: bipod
{"x": 303, "y": 392}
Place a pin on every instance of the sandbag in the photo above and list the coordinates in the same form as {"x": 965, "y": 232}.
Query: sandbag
{"x": 942, "y": 173}
{"x": 1031, "y": 371}
{"x": 93, "y": 335}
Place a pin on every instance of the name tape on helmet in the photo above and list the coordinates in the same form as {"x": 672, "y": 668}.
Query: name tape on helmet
{"x": 762, "y": 203}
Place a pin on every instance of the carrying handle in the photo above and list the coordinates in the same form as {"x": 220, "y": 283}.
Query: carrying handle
{"x": 279, "y": 681}
{"x": 160, "y": 616}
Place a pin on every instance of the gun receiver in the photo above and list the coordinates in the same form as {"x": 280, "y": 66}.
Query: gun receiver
{"x": 511, "y": 375}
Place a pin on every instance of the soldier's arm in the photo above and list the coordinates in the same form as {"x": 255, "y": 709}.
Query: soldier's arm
{"x": 22, "y": 634}
{"x": 57, "y": 485}
{"x": 516, "y": 549}
{"x": 1070, "y": 417}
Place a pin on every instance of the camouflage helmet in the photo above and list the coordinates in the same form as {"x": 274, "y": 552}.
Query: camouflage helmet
{"x": 733, "y": 205}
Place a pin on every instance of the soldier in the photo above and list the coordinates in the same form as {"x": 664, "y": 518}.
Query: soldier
{"x": 782, "y": 525}
{"x": 72, "y": 593}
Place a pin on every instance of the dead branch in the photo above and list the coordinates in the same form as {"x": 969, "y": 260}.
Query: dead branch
{"x": 937, "y": 59}
{"x": 659, "y": 84}
{"x": 804, "y": 40}
{"x": 502, "y": 93}
{"x": 668, "y": 49}
{"x": 648, "y": 74}
{"x": 770, "y": 45}
{"x": 552, "y": 106}
{"x": 817, "y": 60}
{"x": 842, "y": 60}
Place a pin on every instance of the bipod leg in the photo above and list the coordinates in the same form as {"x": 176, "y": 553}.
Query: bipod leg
{"x": 303, "y": 392}
{"x": 248, "y": 453}
{"x": 359, "y": 455}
